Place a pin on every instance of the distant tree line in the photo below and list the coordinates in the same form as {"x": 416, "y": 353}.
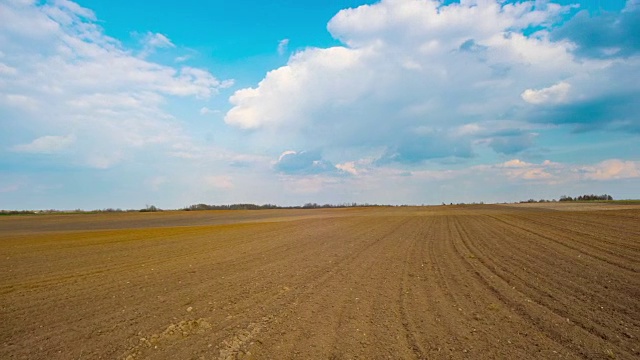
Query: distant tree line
{"x": 332, "y": 206}
{"x": 76, "y": 211}
{"x": 17, "y": 212}
{"x": 590, "y": 197}
{"x": 198, "y": 207}
{"x": 461, "y": 203}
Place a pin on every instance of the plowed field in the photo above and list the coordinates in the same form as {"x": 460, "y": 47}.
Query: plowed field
{"x": 460, "y": 282}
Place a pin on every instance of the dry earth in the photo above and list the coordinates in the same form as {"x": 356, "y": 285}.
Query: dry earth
{"x": 474, "y": 282}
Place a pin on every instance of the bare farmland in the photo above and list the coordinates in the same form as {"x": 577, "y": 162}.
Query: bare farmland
{"x": 490, "y": 282}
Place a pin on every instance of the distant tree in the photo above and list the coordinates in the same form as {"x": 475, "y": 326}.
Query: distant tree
{"x": 587, "y": 197}
{"x": 17, "y": 212}
{"x": 150, "y": 208}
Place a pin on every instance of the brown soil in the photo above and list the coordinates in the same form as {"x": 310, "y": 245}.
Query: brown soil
{"x": 460, "y": 282}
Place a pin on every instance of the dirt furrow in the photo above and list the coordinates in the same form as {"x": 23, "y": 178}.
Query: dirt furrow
{"x": 578, "y": 245}
{"x": 537, "y": 265}
{"x": 559, "y": 287}
{"x": 607, "y": 238}
{"x": 358, "y": 290}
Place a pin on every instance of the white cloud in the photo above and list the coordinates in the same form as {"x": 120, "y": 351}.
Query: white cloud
{"x": 282, "y": 46}
{"x": 23, "y": 102}
{"x": 72, "y": 8}
{"x": 285, "y": 154}
{"x": 66, "y": 75}
{"x": 551, "y": 95}
{"x": 388, "y": 184}
{"x": 553, "y": 172}
{"x": 49, "y": 144}
{"x": 264, "y": 106}
{"x": 536, "y": 174}
{"x": 348, "y": 167}
{"x": 518, "y": 170}
{"x": 303, "y": 162}
{"x": 613, "y": 169}
{"x": 515, "y": 163}
{"x": 156, "y": 40}
{"x": 151, "y": 42}
{"x": 410, "y": 65}
{"x": 414, "y": 80}
{"x": 206, "y": 111}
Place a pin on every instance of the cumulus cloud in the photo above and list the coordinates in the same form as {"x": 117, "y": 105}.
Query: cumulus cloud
{"x": 515, "y": 163}
{"x": 530, "y": 174}
{"x": 414, "y": 87}
{"x": 553, "y": 172}
{"x": 519, "y": 170}
{"x": 615, "y": 111}
{"x": 421, "y": 144}
{"x": 303, "y": 162}
{"x": 49, "y": 144}
{"x": 553, "y": 94}
{"x": 417, "y": 80}
{"x": 61, "y": 73}
{"x": 348, "y": 167}
{"x": 604, "y": 97}
{"x": 613, "y": 169}
{"x": 515, "y": 177}
{"x": 607, "y": 35}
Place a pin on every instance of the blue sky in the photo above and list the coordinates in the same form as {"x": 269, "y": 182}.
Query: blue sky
{"x": 122, "y": 104}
